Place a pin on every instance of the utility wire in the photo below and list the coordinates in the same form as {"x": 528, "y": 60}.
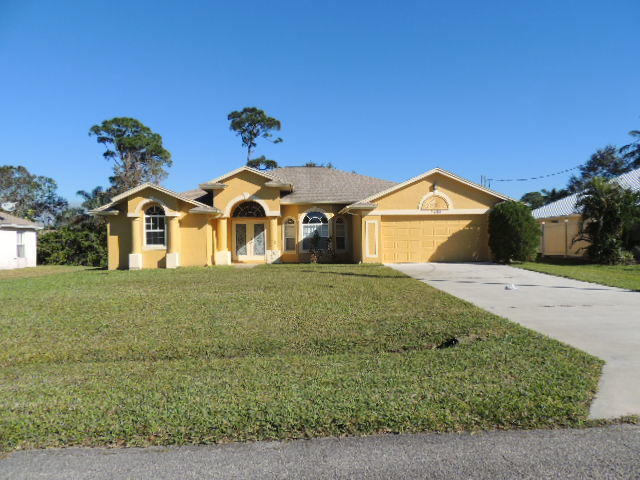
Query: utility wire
{"x": 532, "y": 178}
{"x": 485, "y": 181}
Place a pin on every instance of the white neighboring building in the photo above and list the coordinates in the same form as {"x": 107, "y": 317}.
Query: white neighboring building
{"x": 17, "y": 242}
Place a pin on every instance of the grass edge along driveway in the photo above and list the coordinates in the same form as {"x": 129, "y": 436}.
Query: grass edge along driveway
{"x": 620, "y": 276}
{"x": 199, "y": 355}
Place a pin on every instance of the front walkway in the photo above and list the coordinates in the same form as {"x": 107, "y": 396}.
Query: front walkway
{"x": 604, "y": 321}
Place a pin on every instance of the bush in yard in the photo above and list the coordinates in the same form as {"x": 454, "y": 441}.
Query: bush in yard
{"x": 513, "y": 232}
{"x": 609, "y": 214}
{"x": 73, "y": 246}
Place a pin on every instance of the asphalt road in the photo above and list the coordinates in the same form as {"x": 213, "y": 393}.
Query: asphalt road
{"x": 603, "y": 453}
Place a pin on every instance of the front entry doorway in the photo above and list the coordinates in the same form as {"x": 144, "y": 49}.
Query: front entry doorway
{"x": 249, "y": 241}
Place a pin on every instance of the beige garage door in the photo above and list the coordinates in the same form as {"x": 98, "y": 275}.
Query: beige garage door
{"x": 441, "y": 239}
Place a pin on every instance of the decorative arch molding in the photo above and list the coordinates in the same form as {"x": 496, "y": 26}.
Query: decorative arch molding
{"x": 438, "y": 194}
{"x": 143, "y": 206}
{"x": 228, "y": 210}
{"x": 328, "y": 213}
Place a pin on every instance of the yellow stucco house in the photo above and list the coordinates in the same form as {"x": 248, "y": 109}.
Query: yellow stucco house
{"x": 561, "y": 221}
{"x": 254, "y": 216}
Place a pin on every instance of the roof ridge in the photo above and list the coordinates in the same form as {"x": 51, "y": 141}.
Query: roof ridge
{"x": 336, "y": 170}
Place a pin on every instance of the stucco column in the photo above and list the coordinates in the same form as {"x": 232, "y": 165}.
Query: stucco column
{"x": 135, "y": 257}
{"x": 173, "y": 252}
{"x": 273, "y": 254}
{"x": 222, "y": 255}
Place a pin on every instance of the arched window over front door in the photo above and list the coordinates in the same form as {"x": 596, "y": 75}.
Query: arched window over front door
{"x": 249, "y": 209}
{"x": 155, "y": 227}
{"x": 312, "y": 223}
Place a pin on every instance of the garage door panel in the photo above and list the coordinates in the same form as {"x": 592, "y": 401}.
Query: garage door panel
{"x": 410, "y": 239}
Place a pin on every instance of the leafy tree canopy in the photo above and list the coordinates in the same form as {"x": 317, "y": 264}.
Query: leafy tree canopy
{"x": 533, "y": 199}
{"x": 605, "y": 162}
{"x": 80, "y": 217}
{"x": 35, "y": 196}
{"x": 543, "y": 197}
{"x": 251, "y": 123}
{"x": 136, "y": 151}
{"x": 607, "y": 210}
{"x": 631, "y": 152}
{"x": 262, "y": 163}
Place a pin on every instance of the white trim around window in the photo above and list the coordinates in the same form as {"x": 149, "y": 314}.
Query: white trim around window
{"x": 155, "y": 224}
{"x": 336, "y": 231}
{"x": 291, "y": 223}
{"x": 20, "y": 246}
{"x": 325, "y": 228}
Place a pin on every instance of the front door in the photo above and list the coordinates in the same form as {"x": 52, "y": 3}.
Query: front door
{"x": 249, "y": 241}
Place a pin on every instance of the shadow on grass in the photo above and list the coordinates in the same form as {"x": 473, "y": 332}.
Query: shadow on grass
{"x": 352, "y": 274}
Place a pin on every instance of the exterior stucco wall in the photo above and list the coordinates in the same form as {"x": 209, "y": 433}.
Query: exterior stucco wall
{"x": 195, "y": 232}
{"x": 118, "y": 241}
{"x": 557, "y": 237}
{"x": 250, "y": 186}
{"x": 9, "y": 250}
{"x": 462, "y": 195}
{"x": 297, "y": 212}
{"x": 399, "y": 230}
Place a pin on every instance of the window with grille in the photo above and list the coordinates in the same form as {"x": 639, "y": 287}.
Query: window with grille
{"x": 341, "y": 234}
{"x": 249, "y": 209}
{"x": 155, "y": 227}
{"x": 315, "y": 222}
{"x": 290, "y": 235}
{"x": 20, "y": 253}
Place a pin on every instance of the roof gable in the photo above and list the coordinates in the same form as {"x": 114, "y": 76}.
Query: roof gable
{"x": 139, "y": 188}
{"x": 446, "y": 173}
{"x": 240, "y": 170}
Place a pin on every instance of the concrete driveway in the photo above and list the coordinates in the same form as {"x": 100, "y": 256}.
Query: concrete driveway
{"x": 603, "y": 321}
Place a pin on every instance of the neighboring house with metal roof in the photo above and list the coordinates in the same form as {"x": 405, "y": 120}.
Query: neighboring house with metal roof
{"x": 17, "y": 241}
{"x": 280, "y": 215}
{"x": 561, "y": 220}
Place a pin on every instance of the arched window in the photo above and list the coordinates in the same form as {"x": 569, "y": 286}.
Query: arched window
{"x": 341, "y": 234}
{"x": 312, "y": 223}
{"x": 249, "y": 209}
{"x": 289, "y": 231}
{"x": 155, "y": 226}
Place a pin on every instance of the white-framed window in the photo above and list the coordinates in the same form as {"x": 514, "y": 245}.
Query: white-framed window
{"x": 311, "y": 223}
{"x": 340, "y": 234}
{"x": 155, "y": 227}
{"x": 20, "y": 253}
{"x": 289, "y": 232}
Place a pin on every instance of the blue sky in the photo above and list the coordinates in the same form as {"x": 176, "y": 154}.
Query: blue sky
{"x": 388, "y": 89}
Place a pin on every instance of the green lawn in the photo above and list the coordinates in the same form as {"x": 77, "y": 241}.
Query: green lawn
{"x": 623, "y": 276}
{"x": 199, "y": 355}
{"x": 38, "y": 271}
